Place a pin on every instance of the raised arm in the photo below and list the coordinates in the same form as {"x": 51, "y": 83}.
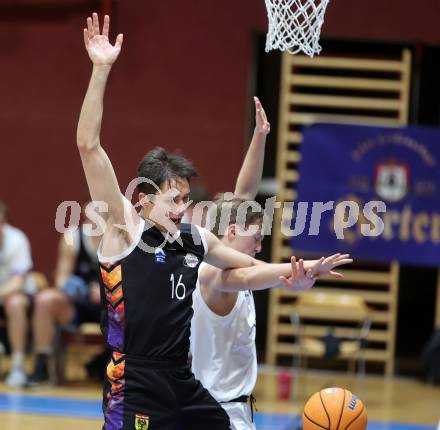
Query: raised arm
{"x": 99, "y": 172}
{"x": 249, "y": 178}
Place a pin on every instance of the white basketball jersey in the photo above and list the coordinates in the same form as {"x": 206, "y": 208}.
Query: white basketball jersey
{"x": 224, "y": 356}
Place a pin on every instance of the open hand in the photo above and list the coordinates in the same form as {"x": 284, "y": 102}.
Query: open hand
{"x": 262, "y": 125}
{"x": 300, "y": 280}
{"x": 100, "y": 50}
{"x": 325, "y": 266}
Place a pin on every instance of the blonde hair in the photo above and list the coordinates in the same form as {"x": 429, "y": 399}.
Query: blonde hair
{"x": 231, "y": 210}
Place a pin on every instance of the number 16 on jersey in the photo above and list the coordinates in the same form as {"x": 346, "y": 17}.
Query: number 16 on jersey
{"x": 177, "y": 290}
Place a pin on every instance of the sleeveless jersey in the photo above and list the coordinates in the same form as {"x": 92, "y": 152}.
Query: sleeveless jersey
{"x": 146, "y": 293}
{"x": 223, "y": 349}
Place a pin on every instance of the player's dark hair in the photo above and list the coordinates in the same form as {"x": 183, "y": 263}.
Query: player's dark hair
{"x": 232, "y": 206}
{"x": 160, "y": 167}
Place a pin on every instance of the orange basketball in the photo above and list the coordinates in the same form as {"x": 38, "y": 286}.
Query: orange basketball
{"x": 334, "y": 409}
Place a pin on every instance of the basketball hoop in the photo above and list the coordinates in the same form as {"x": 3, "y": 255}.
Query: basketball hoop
{"x": 295, "y": 25}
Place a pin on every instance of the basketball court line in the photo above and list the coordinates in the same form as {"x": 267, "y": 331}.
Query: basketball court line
{"x": 50, "y": 406}
{"x": 19, "y": 403}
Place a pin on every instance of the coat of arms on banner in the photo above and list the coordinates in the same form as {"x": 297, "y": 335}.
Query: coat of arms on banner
{"x": 141, "y": 422}
{"x": 392, "y": 180}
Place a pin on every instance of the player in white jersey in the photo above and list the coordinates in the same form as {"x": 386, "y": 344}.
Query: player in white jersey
{"x": 224, "y": 322}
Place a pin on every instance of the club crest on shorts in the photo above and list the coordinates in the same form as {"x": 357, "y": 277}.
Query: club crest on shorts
{"x": 160, "y": 255}
{"x": 190, "y": 260}
{"x": 141, "y": 422}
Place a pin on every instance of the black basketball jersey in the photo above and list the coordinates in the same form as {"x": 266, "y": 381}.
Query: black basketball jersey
{"x": 147, "y": 294}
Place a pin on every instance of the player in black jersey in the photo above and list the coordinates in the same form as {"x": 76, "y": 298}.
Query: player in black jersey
{"x": 148, "y": 265}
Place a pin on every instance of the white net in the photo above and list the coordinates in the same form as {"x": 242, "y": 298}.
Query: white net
{"x": 295, "y": 25}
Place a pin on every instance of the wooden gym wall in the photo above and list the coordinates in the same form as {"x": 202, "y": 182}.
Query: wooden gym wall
{"x": 343, "y": 90}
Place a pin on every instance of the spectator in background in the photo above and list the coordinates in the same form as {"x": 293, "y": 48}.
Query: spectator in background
{"x": 16, "y": 289}
{"x": 75, "y": 298}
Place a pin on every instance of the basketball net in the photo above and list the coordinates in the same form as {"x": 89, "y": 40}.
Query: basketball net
{"x": 295, "y": 25}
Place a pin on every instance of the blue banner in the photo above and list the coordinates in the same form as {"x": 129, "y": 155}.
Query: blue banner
{"x": 373, "y": 192}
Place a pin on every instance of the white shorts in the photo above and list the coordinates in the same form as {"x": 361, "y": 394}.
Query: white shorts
{"x": 240, "y": 415}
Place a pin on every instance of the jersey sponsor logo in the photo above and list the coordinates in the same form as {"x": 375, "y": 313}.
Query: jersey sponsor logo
{"x": 141, "y": 422}
{"x": 160, "y": 255}
{"x": 190, "y": 260}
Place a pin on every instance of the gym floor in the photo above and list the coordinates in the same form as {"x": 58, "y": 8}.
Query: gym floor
{"x": 392, "y": 404}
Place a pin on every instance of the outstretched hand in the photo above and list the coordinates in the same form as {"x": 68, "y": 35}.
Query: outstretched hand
{"x": 325, "y": 266}
{"x": 262, "y": 125}
{"x": 300, "y": 280}
{"x": 100, "y": 50}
